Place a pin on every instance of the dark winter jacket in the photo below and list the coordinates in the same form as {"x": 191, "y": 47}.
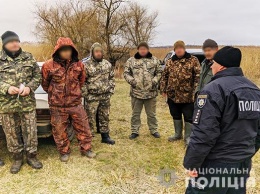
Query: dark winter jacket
{"x": 226, "y": 120}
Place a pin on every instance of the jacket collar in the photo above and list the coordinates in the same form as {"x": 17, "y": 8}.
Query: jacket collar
{"x": 4, "y": 56}
{"x": 232, "y": 71}
{"x": 186, "y": 56}
{"x": 138, "y": 56}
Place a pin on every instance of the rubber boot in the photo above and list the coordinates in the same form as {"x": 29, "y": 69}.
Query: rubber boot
{"x": 33, "y": 161}
{"x": 106, "y": 139}
{"x": 17, "y": 164}
{"x": 178, "y": 126}
{"x": 187, "y": 133}
{"x": 2, "y": 163}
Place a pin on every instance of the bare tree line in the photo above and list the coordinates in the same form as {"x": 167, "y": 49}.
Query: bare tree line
{"x": 118, "y": 25}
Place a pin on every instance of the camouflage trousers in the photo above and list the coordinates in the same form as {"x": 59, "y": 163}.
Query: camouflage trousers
{"x": 20, "y": 131}
{"x": 60, "y": 121}
{"x": 150, "y": 109}
{"x": 100, "y": 109}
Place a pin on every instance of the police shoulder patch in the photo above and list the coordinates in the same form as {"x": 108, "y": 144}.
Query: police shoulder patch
{"x": 202, "y": 100}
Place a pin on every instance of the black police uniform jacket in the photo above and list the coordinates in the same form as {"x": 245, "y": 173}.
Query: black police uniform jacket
{"x": 225, "y": 121}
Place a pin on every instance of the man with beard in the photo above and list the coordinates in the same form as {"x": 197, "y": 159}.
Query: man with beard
{"x": 100, "y": 85}
{"x": 63, "y": 77}
{"x": 179, "y": 81}
{"x": 19, "y": 78}
{"x": 210, "y": 47}
{"x": 143, "y": 73}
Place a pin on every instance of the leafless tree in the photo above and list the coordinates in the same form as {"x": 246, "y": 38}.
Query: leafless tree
{"x": 74, "y": 19}
{"x": 140, "y": 23}
{"x": 112, "y": 28}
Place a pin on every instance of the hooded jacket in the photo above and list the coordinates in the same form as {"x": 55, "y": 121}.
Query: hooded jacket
{"x": 143, "y": 74}
{"x": 63, "y": 80}
{"x": 100, "y": 82}
{"x": 13, "y": 72}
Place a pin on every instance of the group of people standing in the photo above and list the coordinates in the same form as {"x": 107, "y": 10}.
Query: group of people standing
{"x": 216, "y": 106}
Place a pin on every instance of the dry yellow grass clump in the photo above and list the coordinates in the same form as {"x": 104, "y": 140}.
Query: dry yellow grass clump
{"x": 129, "y": 167}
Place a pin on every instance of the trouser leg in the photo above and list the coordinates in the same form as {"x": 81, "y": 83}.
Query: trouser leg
{"x": 150, "y": 109}
{"x": 91, "y": 108}
{"x": 97, "y": 123}
{"x": 221, "y": 178}
{"x": 59, "y": 121}
{"x": 103, "y": 115}
{"x": 11, "y": 126}
{"x": 137, "y": 106}
{"x": 29, "y": 131}
{"x": 81, "y": 126}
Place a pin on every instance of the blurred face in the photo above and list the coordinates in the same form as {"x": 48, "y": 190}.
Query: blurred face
{"x": 65, "y": 53}
{"x": 13, "y": 46}
{"x": 210, "y": 52}
{"x": 98, "y": 54}
{"x": 143, "y": 51}
{"x": 217, "y": 68}
{"x": 179, "y": 51}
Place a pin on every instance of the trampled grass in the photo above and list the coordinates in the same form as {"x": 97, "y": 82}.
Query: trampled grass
{"x": 129, "y": 167}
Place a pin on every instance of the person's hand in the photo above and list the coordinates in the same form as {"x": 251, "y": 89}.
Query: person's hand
{"x": 26, "y": 91}
{"x": 13, "y": 90}
{"x": 164, "y": 95}
{"x": 192, "y": 173}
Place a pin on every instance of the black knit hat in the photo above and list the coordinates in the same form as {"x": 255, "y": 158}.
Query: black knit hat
{"x": 143, "y": 44}
{"x": 228, "y": 57}
{"x": 209, "y": 43}
{"x": 9, "y": 36}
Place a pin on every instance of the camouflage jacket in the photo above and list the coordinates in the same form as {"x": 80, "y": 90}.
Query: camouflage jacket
{"x": 13, "y": 72}
{"x": 63, "y": 80}
{"x": 143, "y": 74}
{"x": 205, "y": 74}
{"x": 180, "y": 78}
{"x": 100, "y": 81}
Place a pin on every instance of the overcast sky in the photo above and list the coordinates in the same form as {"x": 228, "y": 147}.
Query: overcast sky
{"x": 234, "y": 22}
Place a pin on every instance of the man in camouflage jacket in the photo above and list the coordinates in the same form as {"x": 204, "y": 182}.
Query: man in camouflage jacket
{"x": 143, "y": 72}
{"x": 19, "y": 78}
{"x": 99, "y": 88}
{"x": 179, "y": 81}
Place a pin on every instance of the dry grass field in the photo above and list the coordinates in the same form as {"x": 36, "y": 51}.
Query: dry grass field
{"x": 129, "y": 167}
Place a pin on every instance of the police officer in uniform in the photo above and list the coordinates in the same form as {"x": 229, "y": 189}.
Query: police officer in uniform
{"x": 225, "y": 133}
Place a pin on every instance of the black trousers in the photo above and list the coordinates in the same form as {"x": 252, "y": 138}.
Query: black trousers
{"x": 221, "y": 178}
{"x": 179, "y": 109}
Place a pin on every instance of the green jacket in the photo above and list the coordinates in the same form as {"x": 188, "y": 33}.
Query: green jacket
{"x": 14, "y": 72}
{"x": 143, "y": 74}
{"x": 205, "y": 74}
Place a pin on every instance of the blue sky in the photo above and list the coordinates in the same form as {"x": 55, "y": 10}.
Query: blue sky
{"x": 229, "y": 22}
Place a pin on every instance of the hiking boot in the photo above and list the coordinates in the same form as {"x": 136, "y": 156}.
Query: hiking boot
{"x": 89, "y": 154}
{"x": 2, "y": 163}
{"x": 133, "y": 136}
{"x": 106, "y": 139}
{"x": 17, "y": 163}
{"x": 156, "y": 135}
{"x": 64, "y": 157}
{"x": 33, "y": 161}
{"x": 187, "y": 133}
{"x": 178, "y": 125}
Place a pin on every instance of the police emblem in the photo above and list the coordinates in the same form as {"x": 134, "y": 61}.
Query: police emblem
{"x": 167, "y": 177}
{"x": 201, "y": 100}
